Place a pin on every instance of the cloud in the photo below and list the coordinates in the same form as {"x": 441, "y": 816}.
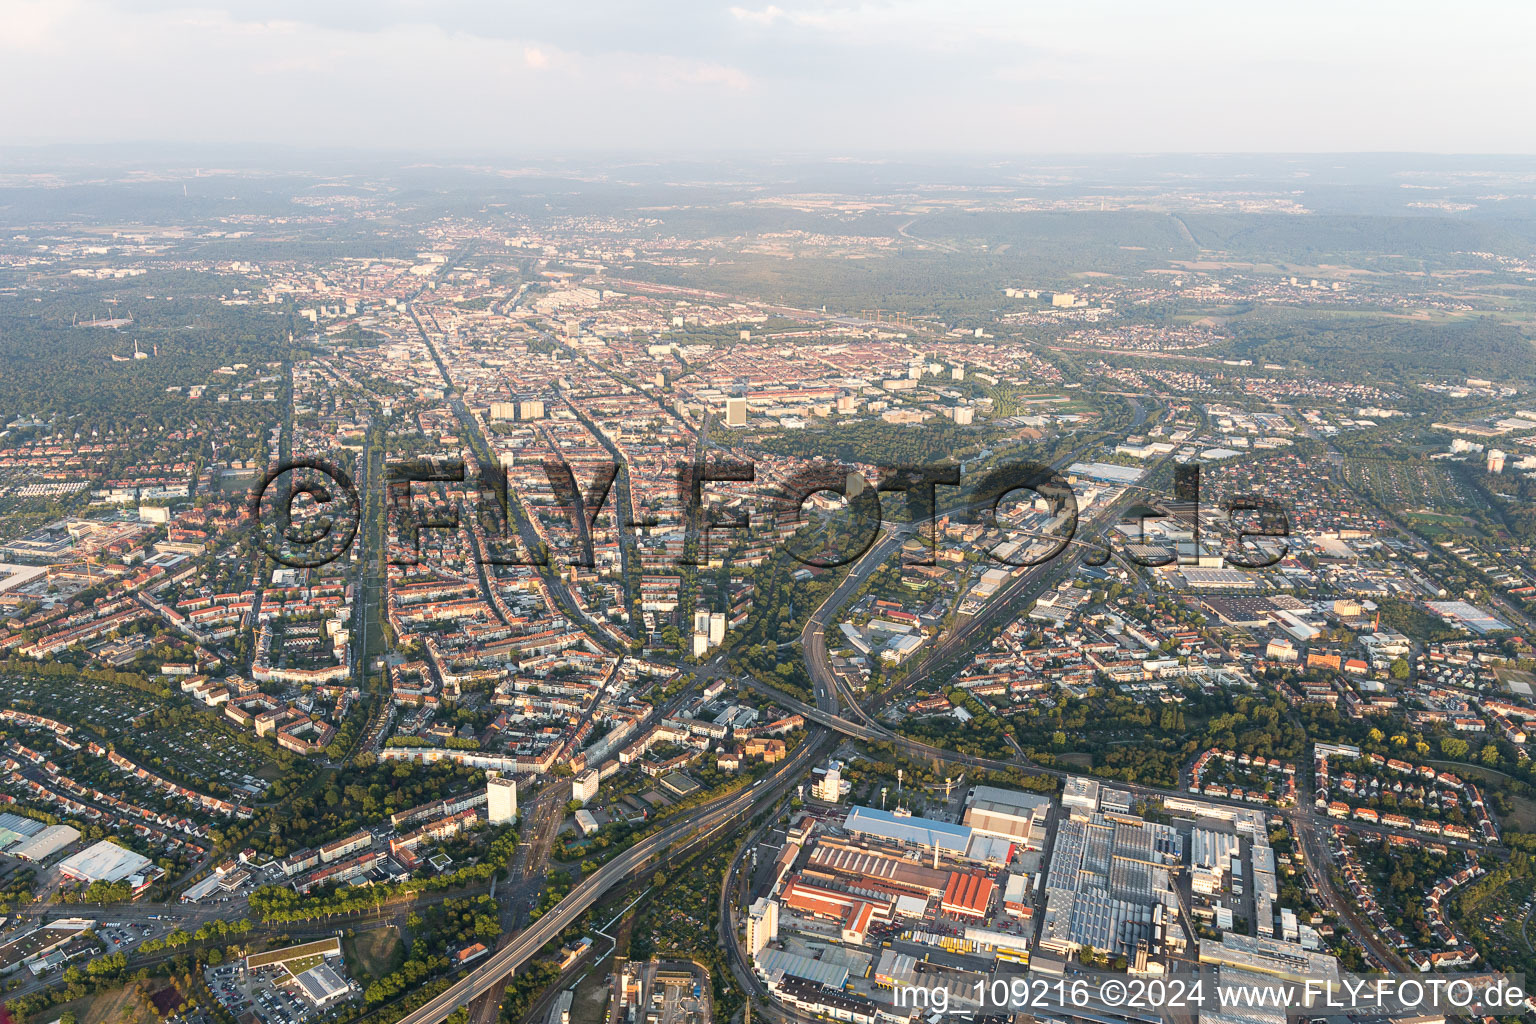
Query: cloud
{"x": 844, "y": 76}
{"x": 713, "y": 74}
{"x": 37, "y": 26}
{"x": 767, "y": 16}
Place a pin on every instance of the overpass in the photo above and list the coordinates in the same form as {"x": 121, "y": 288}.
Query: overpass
{"x": 708, "y": 819}
{"x": 696, "y": 828}
{"x": 872, "y": 732}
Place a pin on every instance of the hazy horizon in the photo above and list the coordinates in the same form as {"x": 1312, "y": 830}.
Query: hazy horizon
{"x": 921, "y": 78}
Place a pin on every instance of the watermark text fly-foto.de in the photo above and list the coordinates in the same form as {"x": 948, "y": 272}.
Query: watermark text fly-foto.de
{"x": 1204, "y": 989}
{"x": 329, "y": 531}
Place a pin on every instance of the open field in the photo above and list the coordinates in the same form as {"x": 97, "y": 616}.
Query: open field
{"x": 374, "y": 953}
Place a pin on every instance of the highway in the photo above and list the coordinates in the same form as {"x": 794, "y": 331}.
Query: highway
{"x": 825, "y": 712}
{"x": 696, "y": 828}
{"x": 491, "y": 975}
{"x": 545, "y": 813}
{"x": 482, "y": 986}
{"x": 813, "y": 639}
{"x": 1311, "y": 831}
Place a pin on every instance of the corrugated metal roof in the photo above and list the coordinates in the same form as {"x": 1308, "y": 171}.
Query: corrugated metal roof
{"x": 105, "y": 861}
{"x": 21, "y": 826}
{"x": 918, "y": 831}
{"x": 797, "y": 966}
{"x": 46, "y": 843}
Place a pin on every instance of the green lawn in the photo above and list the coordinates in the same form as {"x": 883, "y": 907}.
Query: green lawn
{"x": 374, "y": 953}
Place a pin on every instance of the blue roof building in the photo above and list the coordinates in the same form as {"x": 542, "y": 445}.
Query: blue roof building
{"x": 872, "y": 821}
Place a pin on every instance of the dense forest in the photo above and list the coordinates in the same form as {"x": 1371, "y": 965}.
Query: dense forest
{"x": 1385, "y": 346}
{"x": 56, "y": 373}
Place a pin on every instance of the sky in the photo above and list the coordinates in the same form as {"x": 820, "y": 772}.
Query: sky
{"x": 797, "y": 77}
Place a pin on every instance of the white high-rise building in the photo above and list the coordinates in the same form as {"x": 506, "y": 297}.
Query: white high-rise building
{"x": 735, "y": 412}
{"x": 830, "y": 788}
{"x": 584, "y": 786}
{"x": 1495, "y": 460}
{"x": 762, "y": 924}
{"x": 708, "y": 631}
{"x": 501, "y": 800}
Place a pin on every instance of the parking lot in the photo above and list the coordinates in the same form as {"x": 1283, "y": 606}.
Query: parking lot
{"x": 121, "y": 937}
{"x": 240, "y": 991}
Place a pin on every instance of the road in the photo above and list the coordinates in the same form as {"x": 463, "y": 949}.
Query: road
{"x": 1310, "y": 830}
{"x": 860, "y": 723}
{"x": 516, "y": 949}
{"x": 901, "y": 230}
{"x": 813, "y": 638}
{"x": 699, "y": 827}
{"x": 1032, "y": 579}
{"x": 621, "y": 506}
{"x": 543, "y": 815}
{"x": 735, "y": 956}
{"x": 483, "y": 985}
{"x": 481, "y": 449}
{"x": 370, "y": 581}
